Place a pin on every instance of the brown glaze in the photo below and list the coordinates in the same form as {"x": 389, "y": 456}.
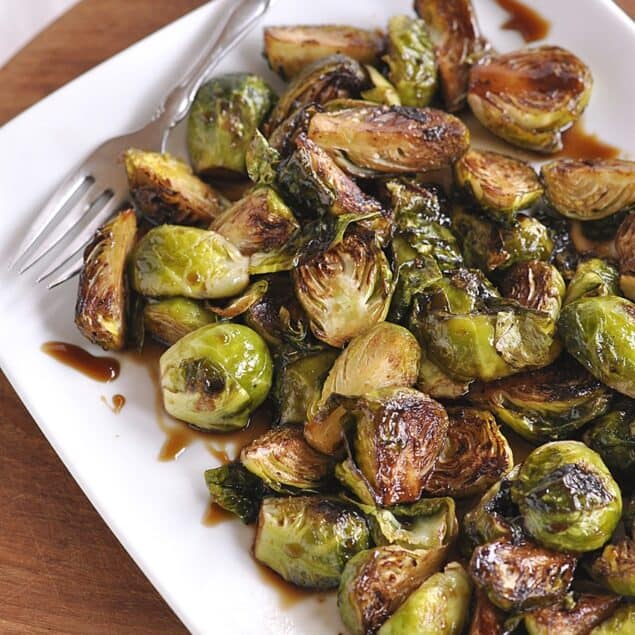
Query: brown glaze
{"x": 580, "y": 144}
{"x": 288, "y": 594}
{"x": 118, "y": 402}
{"x": 98, "y": 368}
{"x": 527, "y": 21}
{"x": 215, "y": 515}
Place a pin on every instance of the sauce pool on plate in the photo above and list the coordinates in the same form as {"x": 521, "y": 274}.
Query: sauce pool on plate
{"x": 102, "y": 369}
{"x": 527, "y": 21}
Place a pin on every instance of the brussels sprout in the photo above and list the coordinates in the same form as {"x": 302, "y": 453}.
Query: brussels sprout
{"x": 368, "y": 363}
{"x": 490, "y": 246}
{"x": 411, "y": 61}
{"x": 521, "y": 576}
{"x": 261, "y": 160}
{"x": 590, "y": 189}
{"x": 345, "y": 290}
{"x": 173, "y": 260}
{"x": 438, "y": 384}
{"x": 223, "y": 119}
{"x": 323, "y": 80}
{"x": 586, "y": 612}
{"x": 499, "y": 184}
{"x": 414, "y": 202}
{"x": 593, "y": 277}
{"x": 615, "y": 567}
{"x": 529, "y": 97}
{"x": 382, "y": 92}
{"x": 377, "y": 581}
{"x": 286, "y": 463}
{"x": 165, "y": 190}
{"x": 546, "y": 404}
{"x": 308, "y": 539}
{"x": 241, "y": 303}
{"x": 235, "y": 489}
{"x": 487, "y": 619}
{"x": 599, "y": 333}
{"x": 475, "y": 455}
{"x": 216, "y": 376}
{"x": 283, "y": 139}
{"x": 625, "y": 248}
{"x": 373, "y": 140}
{"x": 440, "y": 606}
{"x": 564, "y": 255}
{"x": 622, "y": 622}
{"x": 455, "y": 34}
{"x": 567, "y": 497}
{"x": 289, "y": 49}
{"x": 167, "y": 321}
{"x": 102, "y": 293}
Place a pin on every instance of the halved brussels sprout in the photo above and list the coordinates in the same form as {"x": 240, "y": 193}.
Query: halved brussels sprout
{"x": 223, "y": 119}
{"x": 591, "y": 245}
{"x": 102, "y": 293}
{"x": 487, "y": 619}
{"x": 475, "y": 455}
{"x": 490, "y": 246}
{"x": 615, "y": 567}
{"x": 308, "y": 539}
{"x": 283, "y": 138}
{"x": 521, "y": 576}
{"x": 567, "y": 497}
{"x": 529, "y": 97}
{"x": 241, "y": 303}
{"x": 414, "y": 201}
{"x": 235, "y": 489}
{"x": 373, "y": 140}
{"x": 590, "y": 189}
{"x": 625, "y": 247}
{"x": 622, "y": 622}
{"x": 171, "y": 260}
{"x": 165, "y": 190}
{"x": 345, "y": 290}
{"x": 434, "y": 381}
{"x": 440, "y": 605}
{"x": 593, "y": 277}
{"x": 546, "y": 404}
{"x": 501, "y": 185}
{"x": 377, "y": 581}
{"x": 167, "y": 321}
{"x": 368, "y": 363}
{"x": 289, "y": 49}
{"x": 215, "y": 377}
{"x": 599, "y": 333}
{"x": 323, "y": 80}
{"x": 382, "y": 92}
{"x": 459, "y": 44}
{"x": 411, "y": 61}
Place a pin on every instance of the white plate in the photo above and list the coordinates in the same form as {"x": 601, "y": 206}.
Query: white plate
{"x": 206, "y": 574}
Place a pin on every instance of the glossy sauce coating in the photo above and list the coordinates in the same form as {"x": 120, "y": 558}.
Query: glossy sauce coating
{"x": 98, "y": 368}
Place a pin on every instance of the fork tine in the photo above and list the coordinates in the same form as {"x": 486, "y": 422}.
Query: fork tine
{"x": 69, "y": 270}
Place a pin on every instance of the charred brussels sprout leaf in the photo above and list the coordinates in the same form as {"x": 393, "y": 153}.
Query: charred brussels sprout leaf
{"x": 102, "y": 293}
{"x": 622, "y": 622}
{"x": 215, "y": 377}
{"x": 289, "y": 49}
{"x": 440, "y": 605}
{"x": 521, "y": 576}
{"x": 283, "y": 139}
{"x": 308, "y": 539}
{"x": 567, "y": 497}
{"x": 529, "y": 97}
{"x": 487, "y": 619}
{"x": 241, "y": 303}
{"x": 499, "y": 184}
{"x": 593, "y": 277}
{"x": 167, "y": 321}
{"x": 615, "y": 567}
{"x": 382, "y": 92}
{"x": 261, "y": 160}
{"x": 171, "y": 260}
{"x": 411, "y": 61}
{"x": 589, "y": 190}
{"x": 371, "y": 140}
{"x": 599, "y": 333}
{"x": 165, "y": 190}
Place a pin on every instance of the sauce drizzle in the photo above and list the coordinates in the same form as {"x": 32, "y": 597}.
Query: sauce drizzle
{"x": 288, "y": 594}
{"x": 580, "y": 144}
{"x": 527, "y": 21}
{"x": 102, "y": 369}
{"x": 118, "y": 402}
{"x": 216, "y": 515}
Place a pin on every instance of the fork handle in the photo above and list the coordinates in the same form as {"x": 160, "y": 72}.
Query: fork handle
{"x": 241, "y": 18}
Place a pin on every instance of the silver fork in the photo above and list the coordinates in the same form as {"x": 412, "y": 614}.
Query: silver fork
{"x": 100, "y": 183}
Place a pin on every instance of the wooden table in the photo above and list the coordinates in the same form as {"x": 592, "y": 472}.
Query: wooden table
{"x": 61, "y": 569}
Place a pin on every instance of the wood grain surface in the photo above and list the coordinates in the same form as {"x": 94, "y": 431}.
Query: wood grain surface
{"x": 61, "y": 569}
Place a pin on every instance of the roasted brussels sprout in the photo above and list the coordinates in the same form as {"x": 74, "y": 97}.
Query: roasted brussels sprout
{"x": 411, "y": 61}
{"x": 261, "y": 160}
{"x": 167, "y": 321}
{"x": 241, "y": 303}
{"x": 487, "y": 619}
{"x": 499, "y": 184}
{"x": 625, "y": 248}
{"x": 308, "y": 539}
{"x": 171, "y": 260}
{"x": 102, "y": 293}
{"x": 382, "y": 92}
{"x": 593, "y": 277}
{"x": 373, "y": 140}
{"x": 223, "y": 119}
{"x": 289, "y": 49}
{"x": 216, "y": 376}
{"x": 475, "y": 455}
{"x": 165, "y": 190}
{"x": 368, "y": 363}
{"x": 591, "y": 189}
{"x": 235, "y": 489}
{"x": 599, "y": 333}
{"x": 434, "y": 381}
{"x": 377, "y": 581}
{"x": 455, "y": 33}
{"x": 345, "y": 290}
{"x": 440, "y": 605}
{"x": 529, "y": 97}
{"x": 567, "y": 497}
{"x": 283, "y": 139}
{"x": 615, "y": 567}
{"x": 521, "y": 576}
{"x": 622, "y": 622}
{"x": 546, "y": 404}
